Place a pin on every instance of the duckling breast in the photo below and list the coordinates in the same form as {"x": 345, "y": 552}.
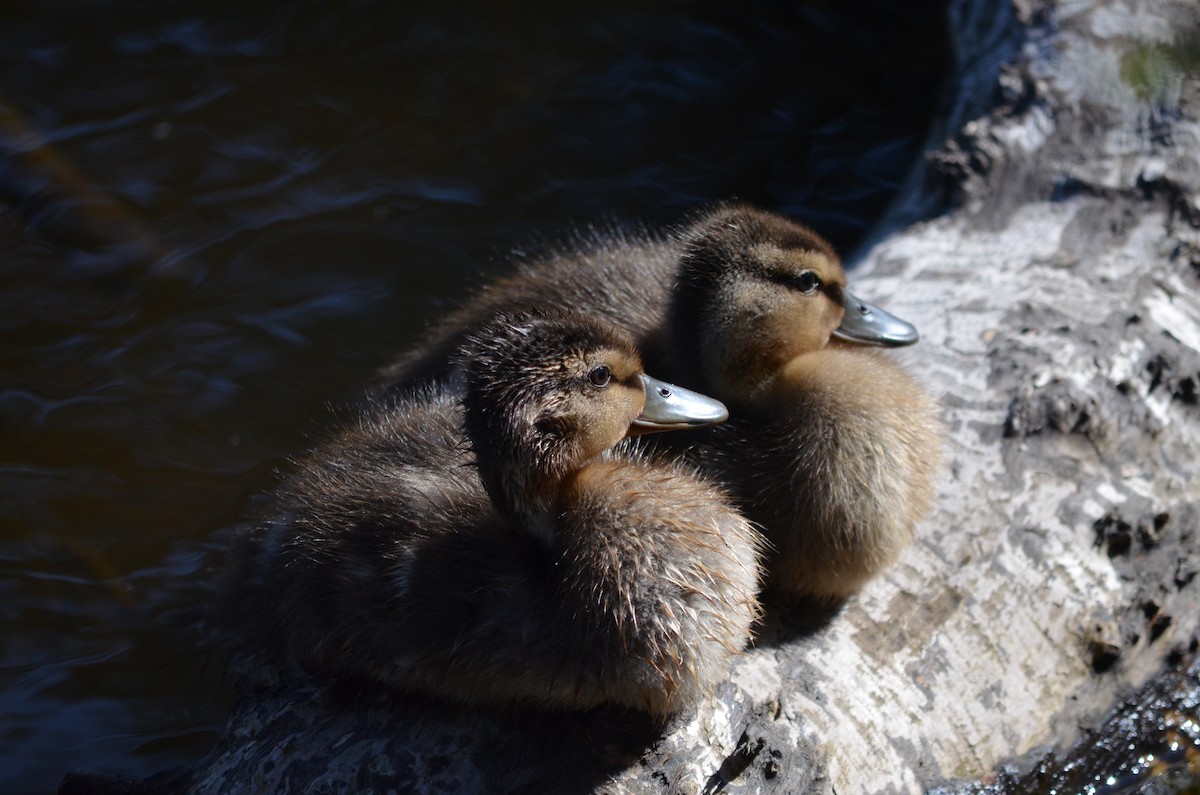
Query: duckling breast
{"x": 666, "y": 574}
{"x": 838, "y": 469}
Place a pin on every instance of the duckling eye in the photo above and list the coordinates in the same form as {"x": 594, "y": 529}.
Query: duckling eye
{"x": 807, "y": 282}
{"x": 600, "y": 376}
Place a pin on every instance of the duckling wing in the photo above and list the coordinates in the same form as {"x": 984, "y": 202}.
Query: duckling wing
{"x": 308, "y": 578}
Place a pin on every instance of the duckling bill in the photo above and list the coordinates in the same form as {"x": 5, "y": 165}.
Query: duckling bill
{"x": 867, "y": 324}
{"x": 496, "y": 545}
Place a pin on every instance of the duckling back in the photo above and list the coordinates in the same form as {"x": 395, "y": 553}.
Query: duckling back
{"x": 314, "y": 578}
{"x": 620, "y": 276}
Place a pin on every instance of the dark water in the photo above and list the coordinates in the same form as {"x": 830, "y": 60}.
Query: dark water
{"x": 215, "y": 220}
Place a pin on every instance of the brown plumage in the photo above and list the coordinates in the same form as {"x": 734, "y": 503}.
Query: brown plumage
{"x": 831, "y": 447}
{"x": 568, "y": 575}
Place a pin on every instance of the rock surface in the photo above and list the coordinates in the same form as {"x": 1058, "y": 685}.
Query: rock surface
{"x": 1058, "y": 303}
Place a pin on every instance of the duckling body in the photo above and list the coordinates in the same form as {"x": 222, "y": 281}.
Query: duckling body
{"x": 486, "y": 544}
{"x": 838, "y": 467}
{"x": 832, "y": 448}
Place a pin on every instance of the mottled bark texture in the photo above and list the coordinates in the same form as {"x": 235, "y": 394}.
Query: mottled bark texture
{"x": 1057, "y": 298}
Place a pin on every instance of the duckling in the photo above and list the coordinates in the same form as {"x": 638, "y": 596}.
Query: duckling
{"x": 833, "y": 449}
{"x": 493, "y": 547}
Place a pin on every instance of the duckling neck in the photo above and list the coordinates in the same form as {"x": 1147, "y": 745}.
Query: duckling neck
{"x": 528, "y": 501}
{"x": 535, "y": 500}
{"x": 778, "y": 389}
{"x": 743, "y": 381}
{"x": 538, "y": 516}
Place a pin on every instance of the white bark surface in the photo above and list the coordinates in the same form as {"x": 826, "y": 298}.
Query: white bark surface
{"x": 1061, "y": 326}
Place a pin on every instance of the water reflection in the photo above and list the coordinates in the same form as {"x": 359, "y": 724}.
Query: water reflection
{"x": 215, "y": 220}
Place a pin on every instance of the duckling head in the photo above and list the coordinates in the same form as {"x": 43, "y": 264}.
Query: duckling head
{"x": 755, "y": 291}
{"x": 548, "y": 391}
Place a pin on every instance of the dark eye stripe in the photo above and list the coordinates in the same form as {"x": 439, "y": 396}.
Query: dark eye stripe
{"x": 803, "y": 282}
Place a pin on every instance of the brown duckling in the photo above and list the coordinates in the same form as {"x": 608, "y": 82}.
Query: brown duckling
{"x": 832, "y": 448}
{"x": 491, "y": 546}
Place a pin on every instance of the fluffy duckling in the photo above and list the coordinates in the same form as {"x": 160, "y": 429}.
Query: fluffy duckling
{"x": 833, "y": 449}
{"x": 494, "y": 548}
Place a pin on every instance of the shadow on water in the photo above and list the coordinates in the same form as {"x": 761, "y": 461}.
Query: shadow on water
{"x": 216, "y": 218}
